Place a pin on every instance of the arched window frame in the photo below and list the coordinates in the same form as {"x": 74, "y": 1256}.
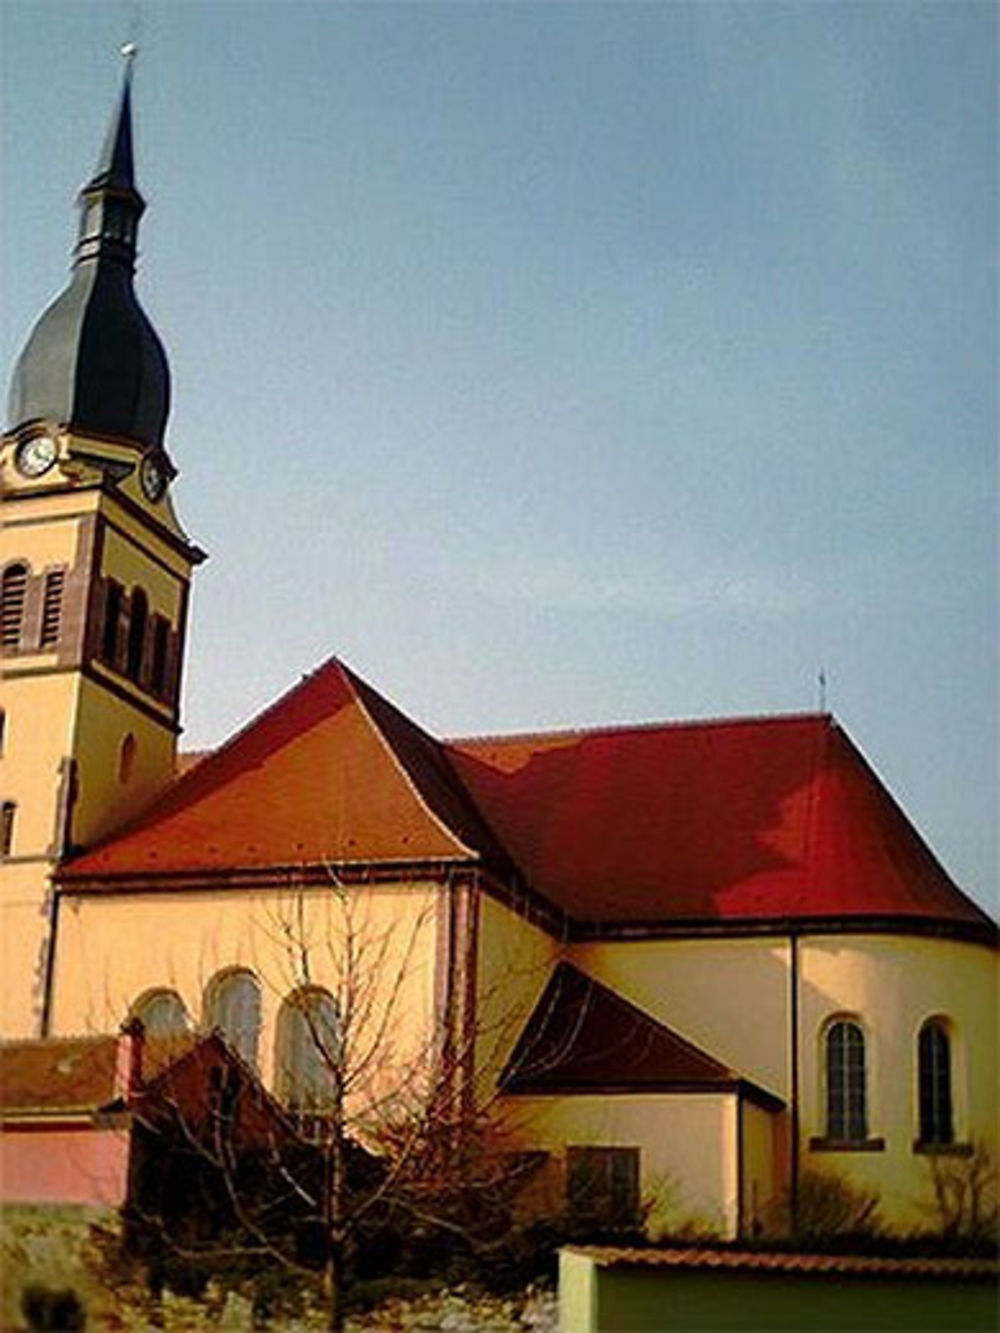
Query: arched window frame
{"x": 152, "y": 1005}
{"x": 307, "y": 1053}
{"x": 844, "y": 1131}
{"x": 114, "y": 598}
{"x": 135, "y": 647}
{"x": 232, "y": 1006}
{"x": 936, "y": 1050}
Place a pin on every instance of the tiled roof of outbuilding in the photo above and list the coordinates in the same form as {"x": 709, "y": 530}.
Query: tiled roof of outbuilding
{"x": 64, "y": 1074}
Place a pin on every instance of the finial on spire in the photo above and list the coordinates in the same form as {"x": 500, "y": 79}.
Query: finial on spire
{"x": 129, "y": 51}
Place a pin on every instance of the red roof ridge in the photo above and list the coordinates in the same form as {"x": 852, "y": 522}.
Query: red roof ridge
{"x": 355, "y": 681}
{"x": 621, "y": 728}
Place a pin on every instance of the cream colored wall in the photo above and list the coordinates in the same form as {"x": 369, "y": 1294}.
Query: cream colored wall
{"x": 687, "y": 1143}
{"x": 729, "y": 996}
{"x": 893, "y": 984}
{"x": 515, "y": 961}
{"x": 23, "y": 931}
{"x": 105, "y": 800}
{"x": 114, "y": 948}
{"x": 763, "y": 1181}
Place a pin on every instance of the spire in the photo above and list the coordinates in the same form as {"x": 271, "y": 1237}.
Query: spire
{"x": 115, "y": 166}
{"x": 110, "y": 204}
{"x": 93, "y": 361}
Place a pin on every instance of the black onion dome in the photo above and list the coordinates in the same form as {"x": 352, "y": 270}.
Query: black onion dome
{"x": 93, "y": 361}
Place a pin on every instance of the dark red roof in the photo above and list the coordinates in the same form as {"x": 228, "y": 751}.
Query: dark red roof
{"x": 584, "y": 1038}
{"x": 755, "y": 820}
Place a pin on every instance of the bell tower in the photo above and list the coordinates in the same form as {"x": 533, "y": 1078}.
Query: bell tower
{"x": 95, "y": 571}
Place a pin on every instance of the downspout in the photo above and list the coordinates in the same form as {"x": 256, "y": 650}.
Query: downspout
{"x": 793, "y": 1022}
{"x": 60, "y": 849}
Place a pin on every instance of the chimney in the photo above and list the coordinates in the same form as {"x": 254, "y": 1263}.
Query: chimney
{"x": 128, "y": 1069}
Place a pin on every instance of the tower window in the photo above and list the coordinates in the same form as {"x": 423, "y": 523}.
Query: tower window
{"x": 13, "y": 588}
{"x": 846, "y": 1096}
{"x": 112, "y": 618}
{"x": 7, "y": 812}
{"x": 934, "y": 1083}
{"x": 138, "y": 615}
{"x": 3, "y": 730}
{"x": 161, "y": 641}
{"x": 52, "y": 607}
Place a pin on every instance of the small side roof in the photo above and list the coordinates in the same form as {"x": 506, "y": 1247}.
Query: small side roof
{"x": 584, "y": 1038}
{"x": 76, "y": 1074}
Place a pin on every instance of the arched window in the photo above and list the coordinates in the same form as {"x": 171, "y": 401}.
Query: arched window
{"x": 161, "y": 643}
{"x": 161, "y": 1011}
{"x": 934, "y": 1083}
{"x": 307, "y": 1055}
{"x": 112, "y": 619}
{"x": 3, "y": 729}
{"x": 232, "y": 1004}
{"x": 138, "y": 615}
{"x": 846, "y": 1097}
{"x": 13, "y": 587}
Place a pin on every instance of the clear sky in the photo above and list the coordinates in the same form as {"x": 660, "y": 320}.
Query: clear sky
{"x": 559, "y": 364}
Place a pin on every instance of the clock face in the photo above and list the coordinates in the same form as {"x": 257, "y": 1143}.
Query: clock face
{"x": 35, "y": 455}
{"x": 153, "y": 477}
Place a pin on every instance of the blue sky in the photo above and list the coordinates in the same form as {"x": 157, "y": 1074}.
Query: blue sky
{"x": 560, "y": 364}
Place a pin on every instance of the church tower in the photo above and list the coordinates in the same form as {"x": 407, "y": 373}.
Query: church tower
{"x": 95, "y": 571}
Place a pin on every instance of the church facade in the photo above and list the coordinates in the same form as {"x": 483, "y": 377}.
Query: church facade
{"x": 691, "y": 963}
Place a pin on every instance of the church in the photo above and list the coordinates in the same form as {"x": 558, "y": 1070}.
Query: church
{"x": 692, "y": 964}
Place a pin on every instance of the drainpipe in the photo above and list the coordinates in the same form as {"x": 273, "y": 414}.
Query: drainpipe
{"x": 793, "y": 1017}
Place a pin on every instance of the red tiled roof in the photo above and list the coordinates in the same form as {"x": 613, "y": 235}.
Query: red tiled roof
{"x": 755, "y": 819}
{"x": 780, "y": 1261}
{"x": 62, "y": 1074}
{"x": 331, "y": 772}
{"x": 583, "y": 1037}
{"x": 747, "y": 821}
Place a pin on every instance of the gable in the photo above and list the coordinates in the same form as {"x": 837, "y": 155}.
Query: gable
{"x": 314, "y": 779}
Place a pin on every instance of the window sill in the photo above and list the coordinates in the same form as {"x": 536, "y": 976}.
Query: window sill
{"x": 846, "y": 1145}
{"x": 942, "y": 1149}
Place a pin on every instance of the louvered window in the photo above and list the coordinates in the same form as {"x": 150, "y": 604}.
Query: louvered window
{"x": 12, "y": 593}
{"x": 52, "y": 607}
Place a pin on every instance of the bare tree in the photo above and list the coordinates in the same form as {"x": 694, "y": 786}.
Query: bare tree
{"x": 379, "y": 1126}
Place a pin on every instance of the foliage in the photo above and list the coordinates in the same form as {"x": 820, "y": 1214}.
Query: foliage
{"x": 965, "y": 1196}
{"x": 827, "y": 1210}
